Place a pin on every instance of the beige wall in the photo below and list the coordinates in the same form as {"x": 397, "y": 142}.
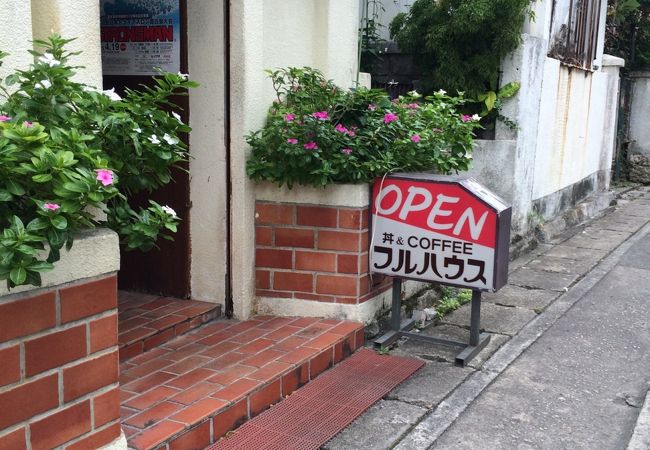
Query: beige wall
{"x": 72, "y": 19}
{"x": 208, "y": 232}
{"x": 22, "y": 21}
{"x": 15, "y": 35}
{"x": 272, "y": 34}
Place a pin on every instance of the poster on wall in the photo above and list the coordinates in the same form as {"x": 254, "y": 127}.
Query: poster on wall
{"x": 140, "y": 36}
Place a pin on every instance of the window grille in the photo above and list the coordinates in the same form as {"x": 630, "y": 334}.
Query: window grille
{"x": 575, "y": 31}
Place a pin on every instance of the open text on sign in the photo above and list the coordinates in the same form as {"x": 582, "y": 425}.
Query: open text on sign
{"x": 443, "y": 229}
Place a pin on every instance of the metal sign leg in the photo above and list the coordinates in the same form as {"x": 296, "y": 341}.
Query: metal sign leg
{"x": 399, "y": 328}
{"x": 477, "y": 340}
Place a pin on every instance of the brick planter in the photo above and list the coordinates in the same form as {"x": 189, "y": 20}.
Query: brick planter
{"x": 58, "y": 353}
{"x": 312, "y": 253}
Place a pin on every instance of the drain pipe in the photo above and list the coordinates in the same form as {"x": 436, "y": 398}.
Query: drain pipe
{"x": 227, "y": 141}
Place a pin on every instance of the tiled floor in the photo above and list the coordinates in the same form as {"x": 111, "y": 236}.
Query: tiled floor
{"x": 146, "y": 321}
{"x": 190, "y": 391}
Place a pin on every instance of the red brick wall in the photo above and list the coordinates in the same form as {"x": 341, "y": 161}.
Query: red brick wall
{"x": 59, "y": 367}
{"x": 317, "y": 253}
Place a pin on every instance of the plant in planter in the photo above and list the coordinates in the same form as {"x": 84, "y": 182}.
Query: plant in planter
{"x": 317, "y": 133}
{"x": 69, "y": 151}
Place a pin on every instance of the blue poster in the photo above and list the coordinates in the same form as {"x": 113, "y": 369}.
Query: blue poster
{"x": 140, "y": 36}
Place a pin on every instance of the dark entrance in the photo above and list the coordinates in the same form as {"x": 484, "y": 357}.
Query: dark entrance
{"x": 163, "y": 271}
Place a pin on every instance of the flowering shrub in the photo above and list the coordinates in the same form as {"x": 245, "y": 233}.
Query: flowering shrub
{"x": 317, "y": 133}
{"x": 72, "y": 156}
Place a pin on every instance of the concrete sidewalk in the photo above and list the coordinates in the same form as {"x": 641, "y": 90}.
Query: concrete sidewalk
{"x": 569, "y": 360}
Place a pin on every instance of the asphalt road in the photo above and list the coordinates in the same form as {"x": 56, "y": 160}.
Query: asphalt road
{"x": 582, "y": 384}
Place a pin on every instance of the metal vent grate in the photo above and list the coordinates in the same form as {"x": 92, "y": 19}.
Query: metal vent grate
{"x": 314, "y": 414}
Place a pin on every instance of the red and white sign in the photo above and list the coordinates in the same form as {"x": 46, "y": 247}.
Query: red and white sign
{"x": 442, "y": 229}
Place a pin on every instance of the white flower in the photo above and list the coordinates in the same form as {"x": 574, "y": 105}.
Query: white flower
{"x": 48, "y": 59}
{"x": 442, "y": 92}
{"x": 154, "y": 139}
{"x": 468, "y": 156}
{"x": 169, "y": 211}
{"x": 110, "y": 93}
{"x": 177, "y": 116}
{"x": 414, "y": 94}
{"x": 170, "y": 140}
{"x": 476, "y": 117}
{"x": 43, "y": 84}
{"x": 137, "y": 130}
{"x": 184, "y": 76}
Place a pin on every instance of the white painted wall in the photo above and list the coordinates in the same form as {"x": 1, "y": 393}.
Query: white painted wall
{"x": 15, "y": 36}
{"x": 208, "y": 194}
{"x": 72, "y": 19}
{"x": 320, "y": 34}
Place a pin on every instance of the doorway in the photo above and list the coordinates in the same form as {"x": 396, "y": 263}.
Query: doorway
{"x": 165, "y": 270}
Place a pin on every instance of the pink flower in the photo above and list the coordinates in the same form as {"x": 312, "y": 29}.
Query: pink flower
{"x": 372, "y": 107}
{"x": 28, "y": 124}
{"x": 4, "y": 118}
{"x": 289, "y": 117}
{"x": 390, "y": 117}
{"x": 347, "y": 151}
{"x": 412, "y": 106}
{"x": 292, "y": 141}
{"x": 466, "y": 118}
{"x": 416, "y": 138}
{"x": 340, "y": 128}
{"x": 311, "y": 145}
{"x": 321, "y": 115}
{"x": 51, "y": 206}
{"x": 105, "y": 176}
{"x": 352, "y": 133}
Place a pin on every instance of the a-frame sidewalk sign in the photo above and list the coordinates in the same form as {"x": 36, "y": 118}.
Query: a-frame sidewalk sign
{"x": 443, "y": 229}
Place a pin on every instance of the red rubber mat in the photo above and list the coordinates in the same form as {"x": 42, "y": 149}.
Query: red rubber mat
{"x": 315, "y": 413}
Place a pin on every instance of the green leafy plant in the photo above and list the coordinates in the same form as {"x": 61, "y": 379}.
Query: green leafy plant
{"x": 317, "y": 134}
{"x": 452, "y": 299}
{"x": 72, "y": 157}
{"x": 628, "y": 32}
{"x": 492, "y": 103}
{"x": 459, "y": 44}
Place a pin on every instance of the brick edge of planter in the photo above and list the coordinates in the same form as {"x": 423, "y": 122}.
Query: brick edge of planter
{"x": 58, "y": 351}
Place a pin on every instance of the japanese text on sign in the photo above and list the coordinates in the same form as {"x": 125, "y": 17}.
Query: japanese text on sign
{"x": 435, "y": 231}
{"x": 140, "y": 36}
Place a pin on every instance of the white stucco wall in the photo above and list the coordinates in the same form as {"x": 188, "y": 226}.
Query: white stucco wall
{"x": 15, "y": 36}
{"x": 208, "y": 233}
{"x": 319, "y": 34}
{"x": 272, "y": 34}
{"x": 72, "y": 19}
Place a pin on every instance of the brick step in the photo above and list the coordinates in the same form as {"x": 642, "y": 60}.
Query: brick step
{"x": 147, "y": 321}
{"x": 192, "y": 390}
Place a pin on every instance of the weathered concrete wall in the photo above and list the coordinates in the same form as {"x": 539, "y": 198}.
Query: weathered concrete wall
{"x": 639, "y": 113}
{"x": 567, "y": 125}
{"x": 493, "y": 166}
{"x": 639, "y": 132}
